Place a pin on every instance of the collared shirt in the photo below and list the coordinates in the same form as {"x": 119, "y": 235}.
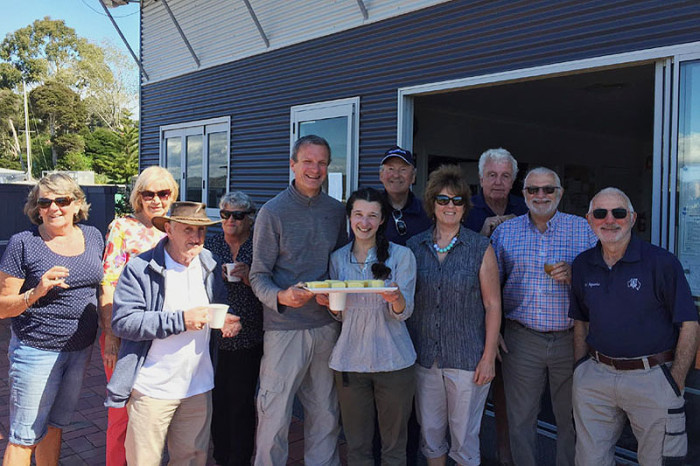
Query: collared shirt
{"x": 448, "y": 325}
{"x": 374, "y": 338}
{"x": 480, "y": 211}
{"x": 413, "y": 215}
{"x": 634, "y": 307}
{"x": 530, "y": 296}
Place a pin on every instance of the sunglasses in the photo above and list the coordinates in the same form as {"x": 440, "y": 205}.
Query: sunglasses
{"x": 401, "y": 227}
{"x": 149, "y": 195}
{"x": 443, "y": 199}
{"x": 45, "y": 202}
{"x": 545, "y": 189}
{"x": 618, "y": 213}
{"x": 236, "y": 214}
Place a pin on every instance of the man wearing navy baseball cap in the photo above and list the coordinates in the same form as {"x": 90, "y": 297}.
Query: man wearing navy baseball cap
{"x": 397, "y": 172}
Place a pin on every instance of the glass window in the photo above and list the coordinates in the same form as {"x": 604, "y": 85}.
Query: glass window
{"x": 337, "y": 122}
{"x": 689, "y": 173}
{"x": 197, "y": 155}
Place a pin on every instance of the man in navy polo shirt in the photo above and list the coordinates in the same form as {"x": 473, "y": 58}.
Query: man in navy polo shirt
{"x": 397, "y": 172}
{"x": 495, "y": 204}
{"x": 635, "y": 337}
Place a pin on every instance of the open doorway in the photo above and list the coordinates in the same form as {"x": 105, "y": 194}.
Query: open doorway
{"x": 595, "y": 129}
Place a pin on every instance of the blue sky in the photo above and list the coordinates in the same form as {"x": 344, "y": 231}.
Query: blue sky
{"x": 87, "y": 17}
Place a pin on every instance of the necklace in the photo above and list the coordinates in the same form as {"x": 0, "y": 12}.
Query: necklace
{"x": 446, "y": 248}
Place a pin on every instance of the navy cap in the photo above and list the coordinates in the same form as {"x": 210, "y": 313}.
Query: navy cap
{"x": 403, "y": 154}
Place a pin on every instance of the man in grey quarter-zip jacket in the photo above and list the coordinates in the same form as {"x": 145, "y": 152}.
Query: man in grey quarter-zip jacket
{"x": 295, "y": 233}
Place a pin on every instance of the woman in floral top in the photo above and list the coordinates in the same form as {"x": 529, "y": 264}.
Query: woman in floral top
{"x": 127, "y": 237}
{"x": 238, "y": 361}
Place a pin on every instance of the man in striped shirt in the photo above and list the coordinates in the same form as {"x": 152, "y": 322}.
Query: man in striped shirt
{"x": 534, "y": 253}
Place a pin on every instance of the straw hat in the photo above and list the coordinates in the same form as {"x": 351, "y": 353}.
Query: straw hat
{"x": 189, "y": 213}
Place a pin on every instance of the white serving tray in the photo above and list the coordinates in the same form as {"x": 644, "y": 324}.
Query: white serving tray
{"x": 383, "y": 289}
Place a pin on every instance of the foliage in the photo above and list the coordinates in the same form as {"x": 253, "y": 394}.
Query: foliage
{"x": 122, "y": 162}
{"x": 10, "y": 117}
{"x": 79, "y": 105}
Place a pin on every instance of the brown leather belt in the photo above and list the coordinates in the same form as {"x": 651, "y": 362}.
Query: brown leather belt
{"x": 627, "y": 364}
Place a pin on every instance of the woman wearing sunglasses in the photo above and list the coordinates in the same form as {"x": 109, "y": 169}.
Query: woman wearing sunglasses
{"x": 455, "y": 323}
{"x": 373, "y": 358}
{"x": 49, "y": 277}
{"x": 128, "y": 236}
{"x": 238, "y": 360}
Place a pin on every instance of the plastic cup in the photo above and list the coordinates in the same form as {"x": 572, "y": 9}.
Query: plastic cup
{"x": 229, "y": 272}
{"x": 217, "y": 315}
{"x": 337, "y": 301}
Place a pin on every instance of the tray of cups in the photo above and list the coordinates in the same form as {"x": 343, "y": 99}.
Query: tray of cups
{"x": 348, "y": 286}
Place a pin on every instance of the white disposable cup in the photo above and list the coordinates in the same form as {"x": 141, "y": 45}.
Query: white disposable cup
{"x": 217, "y": 315}
{"x": 337, "y": 301}
{"x": 229, "y": 272}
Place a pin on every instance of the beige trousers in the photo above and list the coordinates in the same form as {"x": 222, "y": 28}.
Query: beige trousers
{"x": 184, "y": 422}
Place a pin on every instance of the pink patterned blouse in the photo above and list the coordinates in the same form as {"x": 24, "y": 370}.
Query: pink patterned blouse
{"x": 127, "y": 237}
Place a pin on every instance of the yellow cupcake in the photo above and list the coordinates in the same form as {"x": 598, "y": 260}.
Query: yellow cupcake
{"x": 316, "y": 285}
{"x": 376, "y": 283}
{"x": 337, "y": 284}
{"x": 355, "y": 283}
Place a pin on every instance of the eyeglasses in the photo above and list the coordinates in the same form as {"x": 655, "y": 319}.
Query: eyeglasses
{"x": 442, "y": 199}
{"x": 618, "y": 213}
{"x": 545, "y": 189}
{"x": 163, "y": 194}
{"x": 401, "y": 227}
{"x": 45, "y": 202}
{"x": 236, "y": 214}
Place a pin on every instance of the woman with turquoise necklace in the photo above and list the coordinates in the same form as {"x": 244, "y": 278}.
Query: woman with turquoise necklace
{"x": 455, "y": 323}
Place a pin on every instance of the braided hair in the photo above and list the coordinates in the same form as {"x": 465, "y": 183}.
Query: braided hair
{"x": 379, "y": 269}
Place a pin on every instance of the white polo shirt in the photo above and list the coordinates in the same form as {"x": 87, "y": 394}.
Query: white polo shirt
{"x": 179, "y": 366}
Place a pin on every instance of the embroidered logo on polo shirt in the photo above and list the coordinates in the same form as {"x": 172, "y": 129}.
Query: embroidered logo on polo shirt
{"x": 634, "y": 283}
{"x": 591, "y": 284}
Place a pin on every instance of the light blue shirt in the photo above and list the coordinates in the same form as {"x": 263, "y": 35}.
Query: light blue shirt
{"x": 374, "y": 338}
{"x": 530, "y": 296}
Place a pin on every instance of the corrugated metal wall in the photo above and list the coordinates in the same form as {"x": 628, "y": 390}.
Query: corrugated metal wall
{"x": 451, "y": 40}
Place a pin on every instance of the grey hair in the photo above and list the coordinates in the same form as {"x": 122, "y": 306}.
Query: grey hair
{"x": 615, "y": 191}
{"x": 497, "y": 155}
{"x": 310, "y": 139}
{"x": 238, "y": 199}
{"x": 542, "y": 171}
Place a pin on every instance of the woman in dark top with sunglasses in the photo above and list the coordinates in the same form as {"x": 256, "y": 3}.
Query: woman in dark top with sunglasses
{"x": 455, "y": 323}
{"x": 238, "y": 361}
{"x": 49, "y": 277}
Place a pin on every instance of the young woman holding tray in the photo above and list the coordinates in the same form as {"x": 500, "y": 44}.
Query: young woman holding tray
{"x": 373, "y": 358}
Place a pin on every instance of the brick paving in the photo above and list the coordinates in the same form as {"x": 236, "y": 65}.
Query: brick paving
{"x": 84, "y": 440}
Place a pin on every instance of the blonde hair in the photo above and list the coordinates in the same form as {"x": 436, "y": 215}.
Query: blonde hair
{"x": 56, "y": 183}
{"x": 149, "y": 175}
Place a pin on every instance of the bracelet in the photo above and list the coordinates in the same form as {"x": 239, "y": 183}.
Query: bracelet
{"x": 27, "y": 294}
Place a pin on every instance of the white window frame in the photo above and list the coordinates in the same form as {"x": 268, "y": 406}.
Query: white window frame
{"x": 349, "y": 108}
{"x": 202, "y": 128}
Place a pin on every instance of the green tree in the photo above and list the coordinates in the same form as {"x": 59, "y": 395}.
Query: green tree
{"x": 10, "y": 118}
{"x": 59, "y": 110}
{"x": 45, "y": 49}
{"x": 122, "y": 162}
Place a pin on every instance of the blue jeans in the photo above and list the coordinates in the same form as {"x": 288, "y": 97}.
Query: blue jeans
{"x": 44, "y": 389}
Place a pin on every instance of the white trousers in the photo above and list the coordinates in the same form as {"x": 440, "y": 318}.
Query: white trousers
{"x": 450, "y": 397}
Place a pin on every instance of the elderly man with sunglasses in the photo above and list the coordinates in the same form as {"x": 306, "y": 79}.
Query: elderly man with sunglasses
{"x": 534, "y": 253}
{"x": 635, "y": 336}
{"x": 397, "y": 172}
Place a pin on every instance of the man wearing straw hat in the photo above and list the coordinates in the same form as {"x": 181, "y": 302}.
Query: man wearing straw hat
{"x": 164, "y": 373}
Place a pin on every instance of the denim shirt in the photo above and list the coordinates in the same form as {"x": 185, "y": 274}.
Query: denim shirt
{"x": 374, "y": 338}
{"x": 448, "y": 326}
